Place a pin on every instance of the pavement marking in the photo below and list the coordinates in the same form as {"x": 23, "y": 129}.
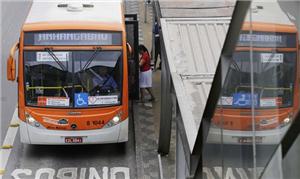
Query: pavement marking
{"x": 229, "y": 172}
{"x": 8, "y": 142}
{"x": 14, "y": 125}
{"x": 6, "y": 147}
{"x": 72, "y": 173}
{"x": 2, "y": 171}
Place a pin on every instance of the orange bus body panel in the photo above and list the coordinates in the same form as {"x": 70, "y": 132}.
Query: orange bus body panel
{"x": 269, "y": 27}
{"x": 65, "y": 25}
{"x": 90, "y": 118}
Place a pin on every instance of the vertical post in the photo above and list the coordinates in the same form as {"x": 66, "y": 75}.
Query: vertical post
{"x": 181, "y": 167}
{"x": 1, "y": 72}
{"x": 145, "y": 12}
{"x": 166, "y": 107}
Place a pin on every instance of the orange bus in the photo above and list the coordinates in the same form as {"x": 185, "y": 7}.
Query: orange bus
{"x": 72, "y": 74}
{"x": 276, "y": 82}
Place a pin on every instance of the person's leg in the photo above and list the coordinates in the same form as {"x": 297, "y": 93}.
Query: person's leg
{"x": 159, "y": 67}
{"x": 156, "y": 51}
{"x": 151, "y": 93}
{"x": 142, "y": 94}
{"x": 155, "y": 59}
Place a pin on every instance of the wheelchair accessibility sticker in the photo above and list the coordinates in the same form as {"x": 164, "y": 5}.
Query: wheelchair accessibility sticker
{"x": 81, "y": 99}
{"x": 244, "y": 100}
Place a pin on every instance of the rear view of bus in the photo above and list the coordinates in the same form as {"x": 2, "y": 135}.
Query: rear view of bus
{"x": 275, "y": 76}
{"x": 72, "y": 74}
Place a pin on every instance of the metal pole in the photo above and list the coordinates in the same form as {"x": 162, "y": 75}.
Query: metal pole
{"x": 145, "y": 15}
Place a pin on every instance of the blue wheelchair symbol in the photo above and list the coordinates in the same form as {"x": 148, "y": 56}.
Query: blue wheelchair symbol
{"x": 244, "y": 100}
{"x": 81, "y": 99}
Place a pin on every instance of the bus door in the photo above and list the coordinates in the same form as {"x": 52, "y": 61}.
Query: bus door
{"x": 132, "y": 35}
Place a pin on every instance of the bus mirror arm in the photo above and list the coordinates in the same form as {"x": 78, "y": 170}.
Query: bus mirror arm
{"x": 11, "y": 63}
{"x": 129, "y": 49}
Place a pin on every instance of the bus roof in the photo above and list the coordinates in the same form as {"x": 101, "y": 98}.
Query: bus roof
{"x": 268, "y": 12}
{"x": 103, "y": 11}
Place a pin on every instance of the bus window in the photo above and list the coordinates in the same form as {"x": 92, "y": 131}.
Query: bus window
{"x": 48, "y": 78}
{"x": 274, "y": 76}
{"x": 100, "y": 77}
{"x": 58, "y": 78}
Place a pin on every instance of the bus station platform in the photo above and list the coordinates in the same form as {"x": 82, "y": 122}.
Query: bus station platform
{"x": 147, "y": 116}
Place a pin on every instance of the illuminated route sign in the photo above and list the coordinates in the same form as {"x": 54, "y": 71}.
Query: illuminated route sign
{"x": 73, "y": 38}
{"x": 267, "y": 39}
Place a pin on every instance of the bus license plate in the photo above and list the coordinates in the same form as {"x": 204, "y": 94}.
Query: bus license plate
{"x": 247, "y": 140}
{"x": 73, "y": 140}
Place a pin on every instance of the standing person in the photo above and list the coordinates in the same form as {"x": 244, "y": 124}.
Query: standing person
{"x": 145, "y": 73}
{"x": 156, "y": 44}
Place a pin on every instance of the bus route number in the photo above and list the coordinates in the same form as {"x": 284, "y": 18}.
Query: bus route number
{"x": 95, "y": 123}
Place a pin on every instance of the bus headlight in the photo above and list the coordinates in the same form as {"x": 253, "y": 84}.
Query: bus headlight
{"x": 114, "y": 121}
{"x": 287, "y": 120}
{"x": 31, "y": 121}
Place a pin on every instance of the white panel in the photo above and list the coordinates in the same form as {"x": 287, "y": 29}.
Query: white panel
{"x": 193, "y": 50}
{"x": 103, "y": 11}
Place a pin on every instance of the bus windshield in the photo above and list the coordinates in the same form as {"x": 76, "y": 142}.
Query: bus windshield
{"x": 274, "y": 78}
{"x": 73, "y": 79}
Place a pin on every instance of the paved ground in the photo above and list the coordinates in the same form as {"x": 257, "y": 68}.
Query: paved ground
{"x": 12, "y": 17}
{"x": 147, "y": 126}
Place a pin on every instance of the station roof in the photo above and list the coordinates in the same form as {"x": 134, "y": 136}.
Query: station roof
{"x": 196, "y": 8}
{"x": 193, "y": 49}
{"x": 194, "y": 32}
{"x": 104, "y": 11}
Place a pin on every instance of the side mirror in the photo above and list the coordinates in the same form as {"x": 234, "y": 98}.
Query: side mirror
{"x": 11, "y": 63}
{"x": 129, "y": 49}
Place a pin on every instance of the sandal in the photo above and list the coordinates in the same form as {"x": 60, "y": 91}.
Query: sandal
{"x": 152, "y": 100}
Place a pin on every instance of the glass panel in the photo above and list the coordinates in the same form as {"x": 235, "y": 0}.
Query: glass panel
{"x": 73, "y": 78}
{"x": 291, "y": 162}
{"x": 277, "y": 102}
{"x": 48, "y": 82}
{"x": 100, "y": 78}
{"x": 289, "y": 165}
{"x": 259, "y": 98}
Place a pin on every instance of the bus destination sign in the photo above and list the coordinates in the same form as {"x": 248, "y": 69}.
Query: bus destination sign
{"x": 72, "y": 38}
{"x": 265, "y": 39}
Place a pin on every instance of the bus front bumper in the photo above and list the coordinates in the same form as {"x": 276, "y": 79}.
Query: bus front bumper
{"x": 265, "y": 137}
{"x": 33, "y": 135}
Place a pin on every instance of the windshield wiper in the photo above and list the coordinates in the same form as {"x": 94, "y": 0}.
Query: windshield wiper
{"x": 56, "y": 59}
{"x": 234, "y": 64}
{"x": 91, "y": 58}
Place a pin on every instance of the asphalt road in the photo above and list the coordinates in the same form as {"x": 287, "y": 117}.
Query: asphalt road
{"x": 12, "y": 17}
{"x": 67, "y": 162}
